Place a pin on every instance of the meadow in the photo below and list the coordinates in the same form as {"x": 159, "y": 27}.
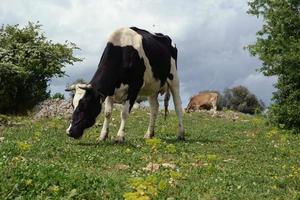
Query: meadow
{"x": 220, "y": 159}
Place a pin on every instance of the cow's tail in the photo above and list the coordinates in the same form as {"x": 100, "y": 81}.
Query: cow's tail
{"x": 166, "y": 101}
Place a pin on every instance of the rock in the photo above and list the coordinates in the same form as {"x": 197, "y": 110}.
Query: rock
{"x": 152, "y": 167}
{"x": 63, "y": 108}
{"x": 52, "y": 108}
{"x": 121, "y": 166}
{"x": 229, "y": 114}
{"x": 169, "y": 165}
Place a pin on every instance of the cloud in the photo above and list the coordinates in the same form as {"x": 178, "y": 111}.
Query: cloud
{"x": 210, "y": 36}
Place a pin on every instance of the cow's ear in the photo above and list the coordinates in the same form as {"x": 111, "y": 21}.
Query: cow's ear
{"x": 70, "y": 88}
{"x": 85, "y": 86}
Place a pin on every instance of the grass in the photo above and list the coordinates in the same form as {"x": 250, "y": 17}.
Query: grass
{"x": 221, "y": 159}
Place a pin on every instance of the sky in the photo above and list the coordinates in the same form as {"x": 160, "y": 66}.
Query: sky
{"x": 210, "y": 36}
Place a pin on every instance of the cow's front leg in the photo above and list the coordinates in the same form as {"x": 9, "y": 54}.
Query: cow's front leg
{"x": 153, "y": 114}
{"x": 124, "y": 116}
{"x": 107, "y": 114}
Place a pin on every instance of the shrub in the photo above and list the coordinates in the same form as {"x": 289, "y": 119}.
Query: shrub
{"x": 58, "y": 96}
{"x": 27, "y": 62}
{"x": 278, "y": 46}
{"x": 240, "y": 99}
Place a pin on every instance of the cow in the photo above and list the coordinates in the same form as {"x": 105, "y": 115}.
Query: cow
{"x": 203, "y": 100}
{"x": 134, "y": 62}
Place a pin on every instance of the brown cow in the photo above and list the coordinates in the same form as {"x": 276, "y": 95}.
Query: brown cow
{"x": 203, "y": 100}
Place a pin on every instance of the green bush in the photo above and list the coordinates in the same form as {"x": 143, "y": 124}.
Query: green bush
{"x": 241, "y": 99}
{"x": 27, "y": 62}
{"x": 278, "y": 46}
{"x": 58, "y": 96}
{"x": 285, "y": 112}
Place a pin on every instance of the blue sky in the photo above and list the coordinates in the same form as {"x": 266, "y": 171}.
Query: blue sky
{"x": 210, "y": 36}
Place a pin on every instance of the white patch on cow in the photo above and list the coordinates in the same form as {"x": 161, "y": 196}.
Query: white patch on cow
{"x": 174, "y": 70}
{"x": 128, "y": 37}
{"x": 124, "y": 117}
{"x": 173, "y": 44}
{"x": 153, "y": 114}
{"x": 68, "y": 129}
{"x": 79, "y": 93}
{"x": 174, "y": 86}
{"x": 109, "y": 101}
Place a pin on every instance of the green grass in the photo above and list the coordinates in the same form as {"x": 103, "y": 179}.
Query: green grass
{"x": 221, "y": 159}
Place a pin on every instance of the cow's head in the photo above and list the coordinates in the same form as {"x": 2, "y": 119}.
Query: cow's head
{"x": 86, "y": 104}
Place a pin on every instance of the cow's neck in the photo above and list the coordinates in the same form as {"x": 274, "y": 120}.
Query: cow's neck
{"x": 105, "y": 80}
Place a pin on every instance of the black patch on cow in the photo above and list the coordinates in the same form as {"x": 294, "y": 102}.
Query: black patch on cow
{"x": 158, "y": 49}
{"x": 119, "y": 65}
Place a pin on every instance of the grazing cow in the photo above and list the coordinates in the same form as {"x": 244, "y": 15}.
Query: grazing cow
{"x": 203, "y": 100}
{"x": 134, "y": 62}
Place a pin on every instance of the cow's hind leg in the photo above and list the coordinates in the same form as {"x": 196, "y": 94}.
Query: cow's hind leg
{"x": 174, "y": 86}
{"x": 153, "y": 114}
{"x": 107, "y": 113}
{"x": 124, "y": 116}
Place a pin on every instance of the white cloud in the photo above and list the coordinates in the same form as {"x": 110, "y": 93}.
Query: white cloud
{"x": 210, "y": 35}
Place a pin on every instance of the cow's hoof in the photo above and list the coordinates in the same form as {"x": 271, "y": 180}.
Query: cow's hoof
{"x": 180, "y": 138}
{"x": 101, "y": 139}
{"x": 119, "y": 140}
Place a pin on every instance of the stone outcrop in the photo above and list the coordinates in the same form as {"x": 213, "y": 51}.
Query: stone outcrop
{"x": 63, "y": 108}
{"x": 52, "y": 108}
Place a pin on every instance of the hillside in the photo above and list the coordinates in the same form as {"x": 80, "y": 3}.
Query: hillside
{"x": 221, "y": 159}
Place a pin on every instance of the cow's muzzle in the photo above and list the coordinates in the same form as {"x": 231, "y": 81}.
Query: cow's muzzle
{"x": 74, "y": 134}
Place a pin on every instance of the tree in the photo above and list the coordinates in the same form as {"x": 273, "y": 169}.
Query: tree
{"x": 58, "y": 95}
{"x": 278, "y": 46}
{"x": 27, "y": 62}
{"x": 241, "y": 99}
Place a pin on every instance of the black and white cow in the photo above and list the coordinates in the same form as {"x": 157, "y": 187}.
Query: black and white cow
{"x": 134, "y": 62}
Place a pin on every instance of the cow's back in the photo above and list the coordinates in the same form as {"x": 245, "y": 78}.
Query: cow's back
{"x": 158, "y": 51}
{"x": 203, "y": 99}
{"x": 152, "y": 52}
